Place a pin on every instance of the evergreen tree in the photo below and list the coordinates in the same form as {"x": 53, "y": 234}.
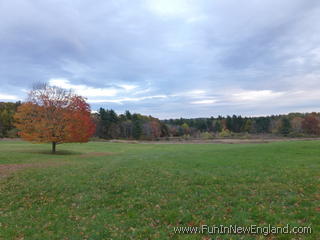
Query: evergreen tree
{"x": 285, "y": 126}
{"x": 229, "y": 123}
{"x": 128, "y": 115}
{"x": 262, "y": 124}
{"x": 137, "y": 129}
{"x": 218, "y": 126}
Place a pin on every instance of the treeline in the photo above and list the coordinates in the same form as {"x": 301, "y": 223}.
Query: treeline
{"x": 137, "y": 126}
{"x": 110, "y": 125}
{"x": 7, "y": 110}
{"x": 293, "y": 125}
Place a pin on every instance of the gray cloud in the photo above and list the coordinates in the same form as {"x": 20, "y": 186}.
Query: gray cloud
{"x": 167, "y": 58}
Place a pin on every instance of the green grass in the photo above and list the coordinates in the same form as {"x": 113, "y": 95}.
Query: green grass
{"x": 142, "y": 191}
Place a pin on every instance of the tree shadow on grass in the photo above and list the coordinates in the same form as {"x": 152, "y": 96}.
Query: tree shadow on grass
{"x": 57, "y": 153}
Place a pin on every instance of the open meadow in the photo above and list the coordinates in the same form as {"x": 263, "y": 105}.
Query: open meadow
{"x": 103, "y": 190}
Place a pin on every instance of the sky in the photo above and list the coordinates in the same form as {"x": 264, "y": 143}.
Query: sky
{"x": 166, "y": 58}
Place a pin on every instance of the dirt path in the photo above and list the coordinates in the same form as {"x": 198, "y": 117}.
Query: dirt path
{"x": 215, "y": 141}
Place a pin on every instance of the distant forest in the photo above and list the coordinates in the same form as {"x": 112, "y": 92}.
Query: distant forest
{"x": 111, "y": 125}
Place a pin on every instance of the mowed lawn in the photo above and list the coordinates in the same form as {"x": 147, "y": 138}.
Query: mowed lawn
{"x": 142, "y": 191}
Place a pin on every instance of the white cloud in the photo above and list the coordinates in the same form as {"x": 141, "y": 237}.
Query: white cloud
{"x": 128, "y": 87}
{"x": 255, "y": 95}
{"x": 8, "y": 97}
{"x": 196, "y": 92}
{"x": 170, "y": 7}
{"x": 127, "y": 99}
{"x": 205, "y": 101}
{"x": 315, "y": 54}
{"x": 193, "y": 93}
{"x": 84, "y": 90}
{"x": 101, "y": 95}
{"x": 297, "y": 60}
{"x": 142, "y": 91}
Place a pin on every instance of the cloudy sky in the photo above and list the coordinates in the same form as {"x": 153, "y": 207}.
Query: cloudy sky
{"x": 167, "y": 58}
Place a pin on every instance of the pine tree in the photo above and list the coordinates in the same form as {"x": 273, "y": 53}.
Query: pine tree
{"x": 137, "y": 129}
{"x": 285, "y": 126}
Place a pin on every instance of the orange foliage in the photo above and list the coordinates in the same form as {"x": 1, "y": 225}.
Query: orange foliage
{"x": 80, "y": 125}
{"x": 54, "y": 115}
{"x": 155, "y": 128}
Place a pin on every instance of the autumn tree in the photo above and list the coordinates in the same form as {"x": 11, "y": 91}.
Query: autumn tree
{"x": 186, "y": 129}
{"x": 311, "y": 124}
{"x": 54, "y": 115}
{"x": 296, "y": 124}
{"x": 155, "y": 129}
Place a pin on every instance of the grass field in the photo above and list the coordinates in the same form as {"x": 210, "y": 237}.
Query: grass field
{"x": 142, "y": 191}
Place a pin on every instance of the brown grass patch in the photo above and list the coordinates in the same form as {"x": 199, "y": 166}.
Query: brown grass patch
{"x": 7, "y": 169}
{"x": 227, "y": 140}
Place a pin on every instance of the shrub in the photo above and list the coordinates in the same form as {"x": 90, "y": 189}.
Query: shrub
{"x": 245, "y": 136}
{"x": 295, "y": 135}
{"x": 225, "y": 133}
{"x": 12, "y": 133}
{"x": 186, "y": 136}
{"x": 206, "y": 135}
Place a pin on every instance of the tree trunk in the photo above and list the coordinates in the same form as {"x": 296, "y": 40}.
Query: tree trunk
{"x": 53, "y": 147}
